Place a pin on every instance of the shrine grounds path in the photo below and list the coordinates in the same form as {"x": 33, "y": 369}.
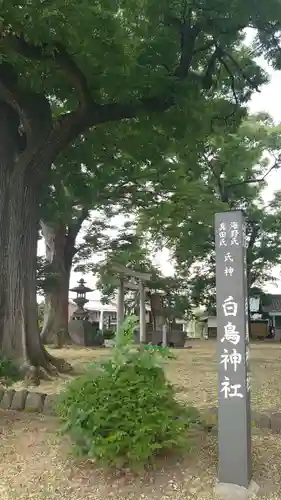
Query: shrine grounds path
{"x": 194, "y": 372}
{"x": 36, "y": 462}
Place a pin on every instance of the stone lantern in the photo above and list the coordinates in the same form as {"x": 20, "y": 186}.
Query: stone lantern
{"x": 80, "y": 301}
{"x": 81, "y": 330}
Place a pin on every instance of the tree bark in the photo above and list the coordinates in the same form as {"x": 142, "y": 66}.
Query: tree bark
{"x": 59, "y": 253}
{"x": 19, "y": 193}
{"x": 8, "y": 152}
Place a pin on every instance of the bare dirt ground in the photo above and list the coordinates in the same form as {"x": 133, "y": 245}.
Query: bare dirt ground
{"x": 36, "y": 462}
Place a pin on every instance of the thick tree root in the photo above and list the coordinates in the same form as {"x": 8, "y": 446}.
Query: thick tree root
{"x": 60, "y": 364}
{"x": 35, "y": 374}
{"x": 49, "y": 368}
{"x": 44, "y": 375}
{"x": 31, "y": 375}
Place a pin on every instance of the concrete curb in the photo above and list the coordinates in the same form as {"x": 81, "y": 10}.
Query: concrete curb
{"x": 37, "y": 402}
{"x": 269, "y": 420}
{"x": 28, "y": 401}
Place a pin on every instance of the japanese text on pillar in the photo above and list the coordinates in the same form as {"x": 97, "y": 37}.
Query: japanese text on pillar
{"x": 230, "y": 359}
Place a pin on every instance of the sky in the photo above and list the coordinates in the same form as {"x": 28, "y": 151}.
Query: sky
{"x": 268, "y": 99}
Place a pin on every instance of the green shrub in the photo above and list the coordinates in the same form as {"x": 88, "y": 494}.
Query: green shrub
{"x": 162, "y": 350}
{"x": 108, "y": 334}
{"x": 123, "y": 411}
{"x": 9, "y": 371}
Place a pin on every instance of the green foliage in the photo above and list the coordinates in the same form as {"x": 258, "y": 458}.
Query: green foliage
{"x": 40, "y": 313}
{"x": 46, "y": 278}
{"x": 131, "y": 248}
{"x": 122, "y": 412}
{"x": 137, "y": 68}
{"x": 108, "y": 334}
{"x": 140, "y": 64}
{"x": 125, "y": 333}
{"x": 9, "y": 371}
{"x": 232, "y": 173}
{"x": 163, "y": 351}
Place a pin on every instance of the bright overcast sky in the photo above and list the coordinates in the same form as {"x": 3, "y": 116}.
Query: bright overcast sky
{"x": 268, "y": 99}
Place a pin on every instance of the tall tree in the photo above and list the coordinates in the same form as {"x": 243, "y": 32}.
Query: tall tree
{"x": 135, "y": 60}
{"x": 116, "y": 174}
{"x": 234, "y": 170}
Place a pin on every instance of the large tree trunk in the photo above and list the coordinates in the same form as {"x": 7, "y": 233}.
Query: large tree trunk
{"x": 8, "y": 150}
{"x": 12, "y": 241}
{"x": 19, "y": 332}
{"x": 59, "y": 253}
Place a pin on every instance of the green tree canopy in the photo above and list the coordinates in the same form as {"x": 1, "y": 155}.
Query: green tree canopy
{"x": 69, "y": 67}
{"x": 234, "y": 168}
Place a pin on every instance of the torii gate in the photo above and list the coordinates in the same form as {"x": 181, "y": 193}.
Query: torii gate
{"x": 140, "y": 287}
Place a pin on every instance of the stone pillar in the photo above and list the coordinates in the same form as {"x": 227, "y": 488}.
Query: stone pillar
{"x": 164, "y": 334}
{"x": 120, "y": 303}
{"x": 142, "y": 313}
{"x": 234, "y": 411}
{"x": 101, "y": 325}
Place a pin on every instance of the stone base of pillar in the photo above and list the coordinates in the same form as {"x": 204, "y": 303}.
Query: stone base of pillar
{"x": 227, "y": 491}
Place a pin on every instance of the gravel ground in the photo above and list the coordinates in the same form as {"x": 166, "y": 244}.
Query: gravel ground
{"x": 36, "y": 463}
{"x": 194, "y": 372}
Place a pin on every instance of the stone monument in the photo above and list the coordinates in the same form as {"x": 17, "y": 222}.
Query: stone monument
{"x": 234, "y": 410}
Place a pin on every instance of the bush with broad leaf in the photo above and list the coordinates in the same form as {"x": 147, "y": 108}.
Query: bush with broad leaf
{"x": 122, "y": 411}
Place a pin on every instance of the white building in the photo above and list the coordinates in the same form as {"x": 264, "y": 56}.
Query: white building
{"x": 106, "y": 314}
{"x": 103, "y": 314}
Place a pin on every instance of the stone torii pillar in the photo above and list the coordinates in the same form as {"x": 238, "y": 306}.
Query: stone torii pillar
{"x": 140, "y": 278}
{"x": 101, "y": 321}
{"x": 142, "y": 313}
{"x": 120, "y": 303}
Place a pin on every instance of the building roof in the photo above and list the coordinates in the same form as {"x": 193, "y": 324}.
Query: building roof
{"x": 271, "y": 303}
